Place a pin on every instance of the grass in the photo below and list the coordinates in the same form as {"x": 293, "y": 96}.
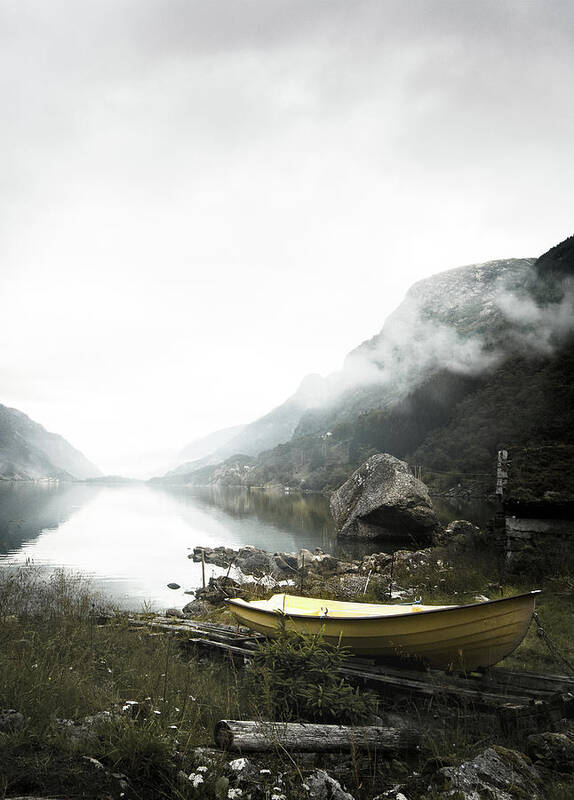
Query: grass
{"x": 57, "y": 662}
{"x": 60, "y": 661}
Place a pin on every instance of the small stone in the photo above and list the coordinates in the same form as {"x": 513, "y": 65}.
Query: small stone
{"x": 173, "y": 586}
{"x": 323, "y": 787}
{"x": 10, "y": 720}
{"x": 94, "y": 762}
{"x": 239, "y": 764}
{"x": 131, "y": 708}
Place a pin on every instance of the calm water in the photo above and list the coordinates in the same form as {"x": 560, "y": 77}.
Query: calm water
{"x": 133, "y": 540}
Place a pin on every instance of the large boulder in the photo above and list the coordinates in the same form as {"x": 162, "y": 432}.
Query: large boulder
{"x": 383, "y": 500}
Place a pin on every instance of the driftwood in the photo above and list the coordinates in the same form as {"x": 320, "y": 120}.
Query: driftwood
{"x": 519, "y": 700}
{"x": 250, "y": 735}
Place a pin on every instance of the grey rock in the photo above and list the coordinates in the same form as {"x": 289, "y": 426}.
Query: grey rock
{"x": 304, "y": 557}
{"x": 10, "y": 720}
{"x": 554, "y": 751}
{"x": 324, "y": 564}
{"x": 130, "y": 708}
{"x": 376, "y": 562}
{"x": 318, "y": 562}
{"x": 285, "y": 563}
{"x": 457, "y": 531}
{"x": 256, "y": 563}
{"x": 197, "y": 607}
{"x": 172, "y": 612}
{"x": 496, "y": 773}
{"x": 94, "y": 762}
{"x": 392, "y": 794}
{"x": 382, "y": 499}
{"x": 323, "y": 787}
{"x": 173, "y": 586}
{"x": 220, "y": 556}
{"x": 84, "y": 732}
{"x": 243, "y": 771}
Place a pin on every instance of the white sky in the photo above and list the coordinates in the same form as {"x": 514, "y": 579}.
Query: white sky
{"x": 203, "y": 201}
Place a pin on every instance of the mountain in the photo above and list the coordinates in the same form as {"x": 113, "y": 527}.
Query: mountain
{"x": 474, "y": 359}
{"x": 30, "y": 452}
{"x": 263, "y": 434}
{"x": 201, "y": 452}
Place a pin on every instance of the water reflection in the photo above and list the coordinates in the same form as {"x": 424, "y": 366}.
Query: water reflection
{"x": 27, "y": 509}
{"x": 135, "y": 539}
{"x": 476, "y": 511}
{"x": 304, "y": 516}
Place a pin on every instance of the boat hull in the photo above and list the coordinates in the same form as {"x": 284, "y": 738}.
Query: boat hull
{"x": 451, "y": 638}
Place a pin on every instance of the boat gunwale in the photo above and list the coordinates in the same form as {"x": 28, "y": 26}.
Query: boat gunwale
{"x": 239, "y": 603}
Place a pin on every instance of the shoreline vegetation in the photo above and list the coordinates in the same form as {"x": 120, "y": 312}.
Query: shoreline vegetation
{"x": 96, "y": 708}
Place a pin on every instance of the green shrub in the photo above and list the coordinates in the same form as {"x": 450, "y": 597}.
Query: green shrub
{"x": 298, "y": 677}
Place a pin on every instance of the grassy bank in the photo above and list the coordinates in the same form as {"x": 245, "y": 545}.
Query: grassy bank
{"x": 60, "y": 661}
{"x": 57, "y": 662}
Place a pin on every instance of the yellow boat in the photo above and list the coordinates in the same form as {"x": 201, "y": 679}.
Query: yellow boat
{"x": 443, "y": 637}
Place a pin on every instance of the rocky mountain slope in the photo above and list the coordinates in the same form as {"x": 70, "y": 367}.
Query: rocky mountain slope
{"x": 30, "y": 452}
{"x": 263, "y": 434}
{"x": 474, "y": 359}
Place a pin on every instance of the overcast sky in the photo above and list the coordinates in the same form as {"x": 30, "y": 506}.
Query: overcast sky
{"x": 203, "y": 201}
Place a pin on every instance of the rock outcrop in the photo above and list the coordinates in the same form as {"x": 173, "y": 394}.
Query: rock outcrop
{"x": 496, "y": 773}
{"x": 383, "y": 500}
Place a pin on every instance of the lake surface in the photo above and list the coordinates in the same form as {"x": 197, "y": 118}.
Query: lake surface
{"x": 133, "y": 540}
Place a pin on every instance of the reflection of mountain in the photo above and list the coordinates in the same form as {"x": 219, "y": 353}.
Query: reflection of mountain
{"x": 30, "y": 452}
{"x": 288, "y": 512}
{"x": 28, "y": 509}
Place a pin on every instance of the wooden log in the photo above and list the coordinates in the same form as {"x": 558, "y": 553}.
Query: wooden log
{"x": 422, "y": 687}
{"x": 251, "y": 735}
{"x": 193, "y": 628}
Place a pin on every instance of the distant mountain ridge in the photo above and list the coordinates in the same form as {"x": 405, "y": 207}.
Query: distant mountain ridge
{"x": 29, "y": 452}
{"x": 454, "y": 338}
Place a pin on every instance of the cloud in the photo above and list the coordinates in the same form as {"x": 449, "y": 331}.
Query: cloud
{"x": 225, "y": 195}
{"x": 492, "y": 311}
{"x": 535, "y": 327}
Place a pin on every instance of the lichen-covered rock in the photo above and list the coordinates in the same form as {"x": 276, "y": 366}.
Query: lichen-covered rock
{"x": 496, "y": 773}
{"x": 383, "y": 499}
{"x": 458, "y": 531}
{"x": 197, "y": 608}
{"x": 321, "y": 786}
{"x": 553, "y": 751}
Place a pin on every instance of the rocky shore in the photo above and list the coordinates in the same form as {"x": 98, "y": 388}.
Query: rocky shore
{"x": 392, "y": 575}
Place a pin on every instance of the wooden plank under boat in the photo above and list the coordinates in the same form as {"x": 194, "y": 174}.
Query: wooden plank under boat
{"x": 465, "y": 637}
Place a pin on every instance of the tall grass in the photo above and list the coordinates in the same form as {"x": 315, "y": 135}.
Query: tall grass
{"x": 58, "y": 662}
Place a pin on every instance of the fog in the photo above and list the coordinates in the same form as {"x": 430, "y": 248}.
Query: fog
{"x": 497, "y": 314}
{"x": 203, "y": 202}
